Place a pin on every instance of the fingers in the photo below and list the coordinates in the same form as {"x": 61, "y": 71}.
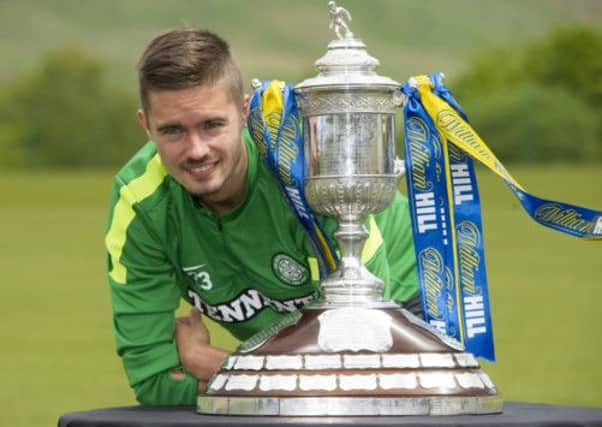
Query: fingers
{"x": 201, "y": 387}
{"x": 196, "y": 321}
{"x": 191, "y": 328}
{"x": 195, "y": 314}
{"x": 185, "y": 320}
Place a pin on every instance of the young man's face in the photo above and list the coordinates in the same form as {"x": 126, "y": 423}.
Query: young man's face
{"x": 198, "y": 135}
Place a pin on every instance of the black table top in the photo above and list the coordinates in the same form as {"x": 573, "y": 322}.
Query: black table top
{"x": 515, "y": 414}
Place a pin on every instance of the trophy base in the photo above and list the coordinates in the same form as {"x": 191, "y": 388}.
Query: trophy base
{"x": 349, "y": 406}
{"x": 376, "y": 359}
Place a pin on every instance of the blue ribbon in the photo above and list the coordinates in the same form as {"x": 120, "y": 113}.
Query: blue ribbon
{"x": 283, "y": 150}
{"x": 447, "y": 228}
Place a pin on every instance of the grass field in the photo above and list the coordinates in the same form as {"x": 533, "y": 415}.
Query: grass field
{"x": 58, "y": 351}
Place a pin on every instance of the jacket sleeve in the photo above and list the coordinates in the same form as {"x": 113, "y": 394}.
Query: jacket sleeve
{"x": 396, "y": 230}
{"x": 144, "y": 297}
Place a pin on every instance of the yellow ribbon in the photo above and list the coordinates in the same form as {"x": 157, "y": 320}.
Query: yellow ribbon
{"x": 453, "y": 128}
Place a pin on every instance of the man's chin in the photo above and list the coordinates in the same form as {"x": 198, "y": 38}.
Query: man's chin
{"x": 201, "y": 191}
{"x": 196, "y": 192}
{"x": 197, "y": 188}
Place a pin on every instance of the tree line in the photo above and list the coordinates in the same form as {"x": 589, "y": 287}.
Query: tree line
{"x": 538, "y": 103}
{"x": 66, "y": 114}
{"x": 541, "y": 103}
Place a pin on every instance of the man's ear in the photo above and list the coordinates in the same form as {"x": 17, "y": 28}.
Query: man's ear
{"x": 142, "y": 119}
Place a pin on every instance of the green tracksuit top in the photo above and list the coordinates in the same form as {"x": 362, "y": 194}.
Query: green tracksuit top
{"x": 245, "y": 269}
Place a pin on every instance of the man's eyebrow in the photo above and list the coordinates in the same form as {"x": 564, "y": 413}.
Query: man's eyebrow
{"x": 214, "y": 118}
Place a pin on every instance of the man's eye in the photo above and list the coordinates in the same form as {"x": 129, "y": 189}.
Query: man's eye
{"x": 171, "y": 131}
{"x": 213, "y": 124}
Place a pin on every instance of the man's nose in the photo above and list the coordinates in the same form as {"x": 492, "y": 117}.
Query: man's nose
{"x": 197, "y": 147}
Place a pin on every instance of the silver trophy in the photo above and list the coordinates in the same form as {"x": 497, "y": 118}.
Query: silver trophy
{"x": 352, "y": 353}
{"x": 349, "y": 134}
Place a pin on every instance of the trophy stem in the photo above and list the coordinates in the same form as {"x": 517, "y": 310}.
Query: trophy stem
{"x": 352, "y": 283}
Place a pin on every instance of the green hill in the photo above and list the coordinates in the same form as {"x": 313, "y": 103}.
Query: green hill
{"x": 283, "y": 38}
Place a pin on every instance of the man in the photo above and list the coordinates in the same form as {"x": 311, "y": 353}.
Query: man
{"x": 196, "y": 214}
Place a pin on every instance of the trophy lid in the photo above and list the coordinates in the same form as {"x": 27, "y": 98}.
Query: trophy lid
{"x": 346, "y": 64}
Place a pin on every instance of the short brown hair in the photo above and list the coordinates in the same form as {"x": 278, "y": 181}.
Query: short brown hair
{"x": 180, "y": 59}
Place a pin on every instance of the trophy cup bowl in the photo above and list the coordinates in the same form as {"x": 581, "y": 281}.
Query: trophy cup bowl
{"x": 351, "y": 173}
{"x": 350, "y": 353}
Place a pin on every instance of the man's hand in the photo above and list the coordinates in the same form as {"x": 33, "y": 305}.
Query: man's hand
{"x": 198, "y": 357}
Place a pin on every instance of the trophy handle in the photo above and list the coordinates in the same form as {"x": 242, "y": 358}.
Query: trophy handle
{"x": 399, "y": 168}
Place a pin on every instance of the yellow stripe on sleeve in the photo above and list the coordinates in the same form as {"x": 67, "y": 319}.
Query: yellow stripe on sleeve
{"x": 373, "y": 242}
{"x": 314, "y": 268}
{"x": 134, "y": 192}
